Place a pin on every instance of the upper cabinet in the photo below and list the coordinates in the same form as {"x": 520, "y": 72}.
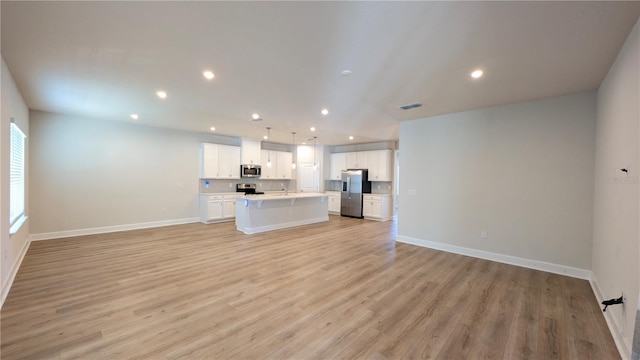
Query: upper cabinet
{"x": 380, "y": 165}
{"x": 283, "y": 164}
{"x": 219, "y": 161}
{"x": 280, "y": 165}
{"x": 250, "y": 151}
{"x": 358, "y": 160}
{"x": 378, "y": 162}
{"x": 338, "y": 162}
{"x": 267, "y": 172}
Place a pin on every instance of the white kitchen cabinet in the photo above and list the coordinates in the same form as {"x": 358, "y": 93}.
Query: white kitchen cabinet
{"x": 280, "y": 165}
{"x": 378, "y": 162}
{"x": 219, "y": 161}
{"x": 338, "y": 162}
{"x": 229, "y": 207}
{"x": 377, "y": 207}
{"x": 334, "y": 201}
{"x": 209, "y": 158}
{"x": 210, "y": 208}
{"x": 229, "y": 162}
{"x": 380, "y": 165}
{"x": 217, "y": 207}
{"x": 362, "y": 158}
{"x": 268, "y": 172}
{"x": 283, "y": 164}
{"x": 251, "y": 152}
{"x": 357, "y": 160}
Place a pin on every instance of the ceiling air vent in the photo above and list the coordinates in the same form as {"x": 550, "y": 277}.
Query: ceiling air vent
{"x": 409, "y": 106}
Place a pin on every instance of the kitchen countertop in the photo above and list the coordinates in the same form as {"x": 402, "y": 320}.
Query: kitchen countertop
{"x": 281, "y": 196}
{"x": 260, "y": 213}
{"x": 223, "y": 193}
{"x": 268, "y": 193}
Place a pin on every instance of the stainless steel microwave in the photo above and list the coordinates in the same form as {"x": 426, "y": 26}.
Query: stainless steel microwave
{"x": 250, "y": 171}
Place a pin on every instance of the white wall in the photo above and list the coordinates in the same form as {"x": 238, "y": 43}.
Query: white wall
{"x": 88, "y": 174}
{"x": 13, "y": 246}
{"x": 616, "y": 237}
{"x": 521, "y": 172}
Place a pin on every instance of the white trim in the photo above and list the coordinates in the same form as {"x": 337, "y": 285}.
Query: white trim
{"x": 259, "y": 229}
{"x": 507, "y": 259}
{"x": 14, "y": 271}
{"x": 623, "y": 348}
{"x": 108, "y": 229}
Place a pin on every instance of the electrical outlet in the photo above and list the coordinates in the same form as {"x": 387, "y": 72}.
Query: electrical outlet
{"x": 484, "y": 235}
{"x": 5, "y": 254}
{"x": 378, "y": 187}
{"x": 230, "y": 184}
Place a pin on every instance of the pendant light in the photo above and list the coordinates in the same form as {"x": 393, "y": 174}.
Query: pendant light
{"x": 315, "y": 164}
{"x": 268, "y": 151}
{"x": 293, "y": 163}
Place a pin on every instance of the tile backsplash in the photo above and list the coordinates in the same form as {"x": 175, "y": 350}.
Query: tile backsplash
{"x": 218, "y": 186}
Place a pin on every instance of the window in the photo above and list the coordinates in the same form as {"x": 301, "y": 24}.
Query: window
{"x": 16, "y": 178}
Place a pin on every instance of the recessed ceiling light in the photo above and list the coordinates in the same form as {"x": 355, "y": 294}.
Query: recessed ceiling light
{"x": 208, "y": 74}
{"x": 312, "y": 129}
{"x": 212, "y": 128}
{"x": 350, "y": 137}
{"x": 324, "y": 111}
{"x": 134, "y": 116}
{"x": 476, "y": 74}
{"x": 255, "y": 116}
{"x": 162, "y": 94}
{"x": 304, "y": 143}
{"x": 346, "y": 72}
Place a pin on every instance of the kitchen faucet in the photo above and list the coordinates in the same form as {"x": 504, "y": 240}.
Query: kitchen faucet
{"x": 285, "y": 189}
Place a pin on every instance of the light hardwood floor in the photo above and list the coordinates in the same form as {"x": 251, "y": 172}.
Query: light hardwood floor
{"x": 342, "y": 289}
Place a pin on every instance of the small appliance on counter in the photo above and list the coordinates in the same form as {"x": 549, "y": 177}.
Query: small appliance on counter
{"x": 248, "y": 189}
{"x": 250, "y": 171}
{"x": 354, "y": 184}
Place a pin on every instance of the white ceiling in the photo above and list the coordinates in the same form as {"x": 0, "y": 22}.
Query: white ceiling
{"x": 283, "y": 60}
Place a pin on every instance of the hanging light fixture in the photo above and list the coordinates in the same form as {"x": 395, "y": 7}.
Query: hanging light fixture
{"x": 268, "y": 151}
{"x": 315, "y": 164}
{"x": 293, "y": 163}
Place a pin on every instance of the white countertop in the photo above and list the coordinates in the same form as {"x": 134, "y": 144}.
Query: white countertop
{"x": 223, "y": 193}
{"x": 281, "y": 196}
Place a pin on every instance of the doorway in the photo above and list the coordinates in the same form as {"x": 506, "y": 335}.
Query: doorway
{"x": 309, "y": 178}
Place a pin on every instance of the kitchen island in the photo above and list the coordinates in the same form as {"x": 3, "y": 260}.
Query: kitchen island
{"x": 260, "y": 213}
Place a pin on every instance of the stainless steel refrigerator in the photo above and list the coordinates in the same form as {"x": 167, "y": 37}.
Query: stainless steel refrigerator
{"x": 354, "y": 184}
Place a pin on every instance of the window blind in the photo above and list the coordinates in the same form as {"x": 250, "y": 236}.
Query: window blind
{"x": 16, "y": 174}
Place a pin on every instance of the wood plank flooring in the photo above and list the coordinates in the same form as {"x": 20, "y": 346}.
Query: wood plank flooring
{"x": 342, "y": 289}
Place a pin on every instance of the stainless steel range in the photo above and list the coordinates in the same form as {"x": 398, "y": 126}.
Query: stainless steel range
{"x": 248, "y": 189}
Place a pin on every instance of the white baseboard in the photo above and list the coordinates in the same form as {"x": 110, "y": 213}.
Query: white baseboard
{"x": 109, "y": 229}
{"x": 259, "y": 229}
{"x": 623, "y": 348}
{"x": 14, "y": 271}
{"x": 507, "y": 259}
